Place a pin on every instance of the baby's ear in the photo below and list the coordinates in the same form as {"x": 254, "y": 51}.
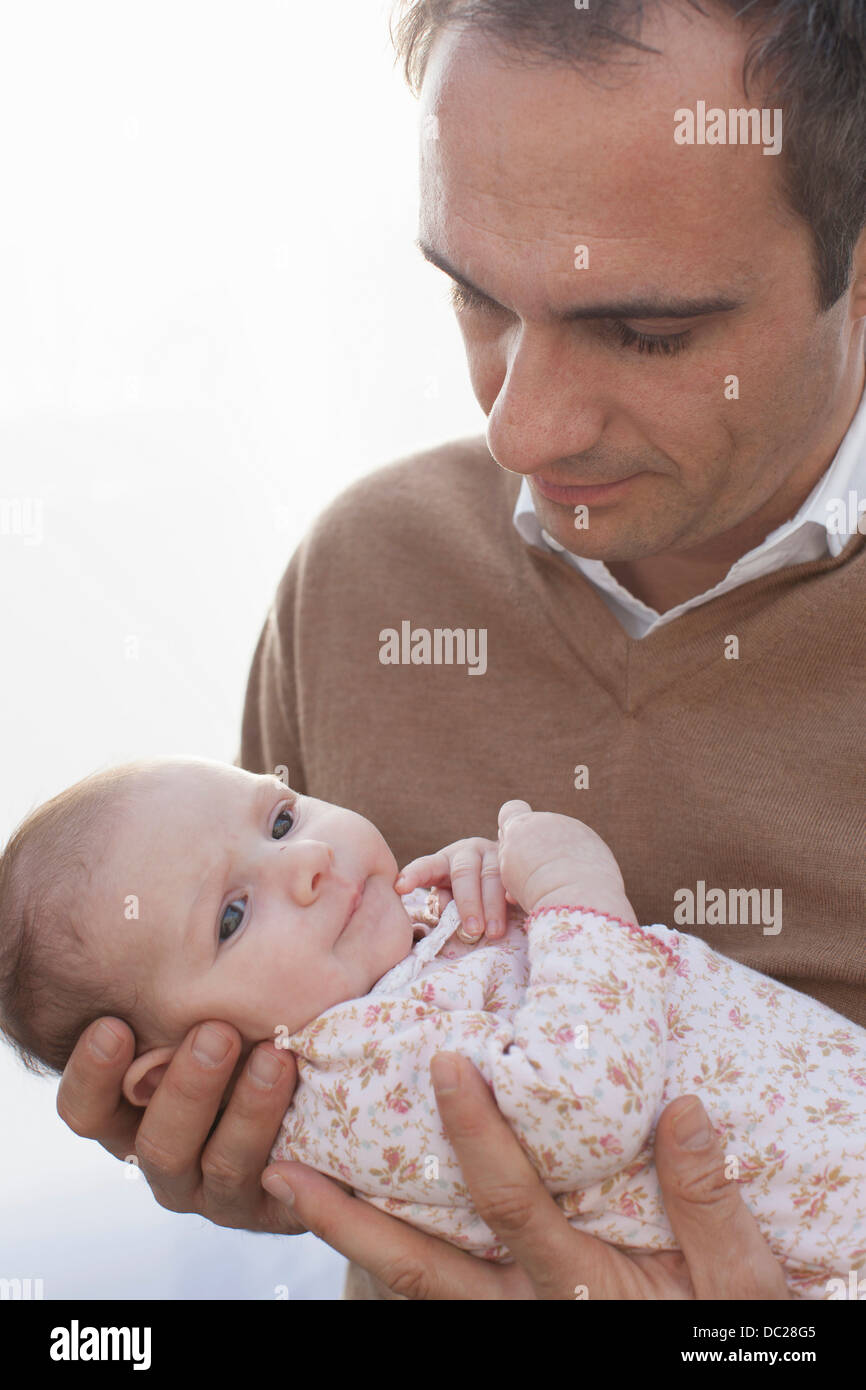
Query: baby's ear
{"x": 145, "y": 1074}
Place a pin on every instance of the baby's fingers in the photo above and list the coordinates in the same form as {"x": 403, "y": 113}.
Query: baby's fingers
{"x": 493, "y": 895}
{"x": 509, "y": 810}
{"x": 478, "y": 892}
{"x": 429, "y": 870}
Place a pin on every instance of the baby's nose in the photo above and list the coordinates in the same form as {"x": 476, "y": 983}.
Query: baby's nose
{"x": 306, "y": 868}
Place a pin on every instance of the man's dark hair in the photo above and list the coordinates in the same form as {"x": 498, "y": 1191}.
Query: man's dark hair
{"x": 810, "y": 56}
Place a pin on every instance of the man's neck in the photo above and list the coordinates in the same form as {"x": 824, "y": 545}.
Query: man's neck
{"x": 664, "y": 581}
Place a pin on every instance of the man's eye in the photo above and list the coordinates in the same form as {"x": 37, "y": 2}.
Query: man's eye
{"x": 232, "y": 918}
{"x": 670, "y": 345}
{"x": 463, "y": 298}
{"x": 288, "y": 819}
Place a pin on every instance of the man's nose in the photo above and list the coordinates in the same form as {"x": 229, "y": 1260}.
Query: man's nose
{"x": 303, "y": 867}
{"x": 550, "y": 405}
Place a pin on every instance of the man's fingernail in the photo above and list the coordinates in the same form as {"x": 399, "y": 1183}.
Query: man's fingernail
{"x": 210, "y": 1046}
{"x": 443, "y": 1070}
{"x": 105, "y": 1042}
{"x": 279, "y": 1188}
{"x": 472, "y": 928}
{"x": 494, "y": 929}
{"x": 265, "y": 1068}
{"x": 692, "y": 1128}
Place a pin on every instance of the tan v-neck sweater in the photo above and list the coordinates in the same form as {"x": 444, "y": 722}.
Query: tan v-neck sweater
{"x": 734, "y": 774}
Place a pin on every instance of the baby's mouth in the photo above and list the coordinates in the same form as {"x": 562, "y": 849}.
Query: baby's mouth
{"x": 357, "y": 898}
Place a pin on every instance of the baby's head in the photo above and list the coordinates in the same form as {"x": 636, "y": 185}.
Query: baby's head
{"x": 175, "y": 890}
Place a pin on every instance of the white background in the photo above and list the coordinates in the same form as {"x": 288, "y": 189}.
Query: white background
{"x": 212, "y": 319}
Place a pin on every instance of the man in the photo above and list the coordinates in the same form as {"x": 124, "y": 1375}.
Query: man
{"x": 634, "y": 603}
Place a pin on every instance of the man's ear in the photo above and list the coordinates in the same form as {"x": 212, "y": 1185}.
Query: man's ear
{"x": 858, "y": 279}
{"x": 145, "y": 1074}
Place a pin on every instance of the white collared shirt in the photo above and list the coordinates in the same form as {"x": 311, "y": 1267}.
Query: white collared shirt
{"x": 814, "y": 532}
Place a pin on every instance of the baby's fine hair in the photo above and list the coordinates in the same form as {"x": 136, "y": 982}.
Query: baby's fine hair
{"x": 52, "y": 983}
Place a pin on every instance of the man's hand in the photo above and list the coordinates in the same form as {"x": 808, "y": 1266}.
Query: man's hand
{"x": 722, "y": 1252}
{"x": 190, "y": 1164}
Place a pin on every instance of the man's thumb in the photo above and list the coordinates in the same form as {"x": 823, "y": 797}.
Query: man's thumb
{"x": 726, "y": 1254}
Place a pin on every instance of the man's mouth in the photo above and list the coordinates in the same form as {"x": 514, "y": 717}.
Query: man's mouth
{"x": 582, "y": 493}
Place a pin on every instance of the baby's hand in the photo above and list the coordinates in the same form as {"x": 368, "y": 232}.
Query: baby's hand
{"x": 471, "y": 868}
{"x": 546, "y": 860}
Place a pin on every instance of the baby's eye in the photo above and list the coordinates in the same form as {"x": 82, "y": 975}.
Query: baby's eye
{"x": 285, "y": 815}
{"x": 232, "y": 918}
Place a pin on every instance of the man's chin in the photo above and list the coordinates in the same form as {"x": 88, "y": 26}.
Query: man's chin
{"x": 612, "y": 547}
{"x": 633, "y": 529}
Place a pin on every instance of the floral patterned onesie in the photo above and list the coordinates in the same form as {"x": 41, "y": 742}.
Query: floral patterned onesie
{"x": 585, "y": 1027}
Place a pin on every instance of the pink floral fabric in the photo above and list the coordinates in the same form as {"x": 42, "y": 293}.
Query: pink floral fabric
{"x": 585, "y": 1028}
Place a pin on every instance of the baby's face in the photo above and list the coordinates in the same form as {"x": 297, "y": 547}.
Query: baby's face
{"x": 256, "y": 906}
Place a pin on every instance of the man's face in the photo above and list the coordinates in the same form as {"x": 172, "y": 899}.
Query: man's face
{"x": 256, "y": 905}
{"x": 524, "y": 164}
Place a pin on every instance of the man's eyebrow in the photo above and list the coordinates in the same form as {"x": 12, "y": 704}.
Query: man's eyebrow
{"x": 657, "y": 307}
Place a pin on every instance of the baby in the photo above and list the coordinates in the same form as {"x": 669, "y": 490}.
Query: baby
{"x": 175, "y": 890}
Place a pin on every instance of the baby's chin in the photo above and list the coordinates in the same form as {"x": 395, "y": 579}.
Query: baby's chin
{"x": 393, "y": 944}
